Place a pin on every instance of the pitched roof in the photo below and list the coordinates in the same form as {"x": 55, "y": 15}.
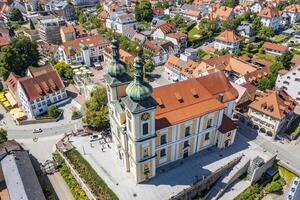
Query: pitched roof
{"x": 269, "y": 12}
{"x": 223, "y": 13}
{"x": 227, "y": 125}
{"x": 182, "y": 101}
{"x": 274, "y": 46}
{"x": 151, "y": 46}
{"x": 167, "y": 27}
{"x": 178, "y": 35}
{"x": 43, "y": 84}
{"x": 124, "y": 55}
{"x": 274, "y": 103}
{"x": 257, "y": 74}
{"x": 90, "y": 41}
{"x": 294, "y": 8}
{"x": 228, "y": 36}
{"x": 158, "y": 11}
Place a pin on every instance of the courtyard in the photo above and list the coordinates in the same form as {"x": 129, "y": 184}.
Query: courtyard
{"x": 169, "y": 180}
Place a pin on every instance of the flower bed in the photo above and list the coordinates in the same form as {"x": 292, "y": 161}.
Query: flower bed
{"x": 90, "y": 176}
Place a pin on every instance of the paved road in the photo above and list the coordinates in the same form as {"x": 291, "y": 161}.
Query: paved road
{"x": 285, "y": 152}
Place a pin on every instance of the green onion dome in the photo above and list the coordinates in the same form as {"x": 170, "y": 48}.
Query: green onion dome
{"x": 138, "y": 89}
{"x": 115, "y": 67}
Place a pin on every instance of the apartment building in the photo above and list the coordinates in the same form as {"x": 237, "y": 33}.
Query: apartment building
{"x": 49, "y": 30}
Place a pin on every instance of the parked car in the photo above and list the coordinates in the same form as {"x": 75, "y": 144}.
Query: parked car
{"x": 37, "y": 130}
{"x": 94, "y": 138}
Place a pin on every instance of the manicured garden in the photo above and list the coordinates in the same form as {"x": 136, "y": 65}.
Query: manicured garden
{"x": 294, "y": 129}
{"x": 75, "y": 188}
{"x": 90, "y": 176}
{"x": 279, "y": 38}
{"x": 53, "y": 113}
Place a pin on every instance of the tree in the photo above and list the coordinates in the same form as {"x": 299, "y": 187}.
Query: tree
{"x": 3, "y": 135}
{"x": 285, "y": 59}
{"x": 229, "y": 3}
{"x": 165, "y": 4}
{"x": 18, "y": 56}
{"x": 64, "y": 70}
{"x": 143, "y": 11}
{"x": 200, "y": 54}
{"x": 53, "y": 111}
{"x": 274, "y": 186}
{"x": 256, "y": 24}
{"x": 31, "y": 25}
{"x": 15, "y": 15}
{"x": 149, "y": 67}
{"x": 1, "y": 86}
{"x": 266, "y": 32}
{"x": 96, "y": 112}
{"x": 269, "y": 81}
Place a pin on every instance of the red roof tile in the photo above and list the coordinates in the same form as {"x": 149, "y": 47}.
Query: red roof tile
{"x": 227, "y": 125}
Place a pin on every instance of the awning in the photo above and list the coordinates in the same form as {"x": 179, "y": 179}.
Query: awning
{"x": 11, "y": 99}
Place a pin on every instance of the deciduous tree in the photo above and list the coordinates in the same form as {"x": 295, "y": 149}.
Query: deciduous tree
{"x": 143, "y": 11}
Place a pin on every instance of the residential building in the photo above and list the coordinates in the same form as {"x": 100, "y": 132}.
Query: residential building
{"x": 4, "y": 36}
{"x": 246, "y": 31}
{"x": 49, "y": 30}
{"x": 272, "y": 112}
{"x": 40, "y": 88}
{"x": 270, "y": 17}
{"x": 179, "y": 39}
{"x": 86, "y": 50}
{"x": 124, "y": 56}
{"x": 71, "y": 32}
{"x": 61, "y": 8}
{"x": 31, "y": 6}
{"x": 289, "y": 81}
{"x": 256, "y": 7}
{"x": 275, "y": 49}
{"x": 159, "y": 54}
{"x": 163, "y": 30}
{"x": 155, "y": 127}
{"x": 18, "y": 177}
{"x": 293, "y": 11}
{"x": 227, "y": 40}
{"x": 120, "y": 22}
{"x": 84, "y": 2}
{"x": 221, "y": 13}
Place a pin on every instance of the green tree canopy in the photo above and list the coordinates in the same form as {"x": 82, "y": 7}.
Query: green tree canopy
{"x": 64, "y": 70}
{"x": 53, "y": 111}
{"x": 266, "y": 32}
{"x": 229, "y": 3}
{"x": 15, "y": 15}
{"x": 143, "y": 11}
{"x": 3, "y": 135}
{"x": 256, "y": 24}
{"x": 269, "y": 81}
{"x": 18, "y": 56}
{"x": 149, "y": 67}
{"x": 285, "y": 59}
{"x": 96, "y": 112}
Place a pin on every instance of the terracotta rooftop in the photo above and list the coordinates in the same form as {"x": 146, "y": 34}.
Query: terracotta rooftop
{"x": 274, "y": 103}
{"x": 43, "y": 84}
{"x": 257, "y": 74}
{"x": 158, "y": 11}
{"x": 274, "y": 46}
{"x": 182, "y": 101}
{"x": 167, "y": 27}
{"x": 151, "y": 46}
{"x": 294, "y": 8}
{"x": 269, "y": 12}
{"x": 228, "y": 36}
{"x": 177, "y": 35}
{"x": 222, "y": 12}
{"x": 73, "y": 46}
{"x": 227, "y": 125}
{"x": 125, "y": 56}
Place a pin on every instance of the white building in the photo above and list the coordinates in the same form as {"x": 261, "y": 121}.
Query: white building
{"x": 293, "y": 11}
{"x": 227, "y": 40}
{"x": 164, "y": 29}
{"x": 290, "y": 82}
{"x": 41, "y": 88}
{"x": 120, "y": 22}
{"x": 270, "y": 17}
{"x": 86, "y": 50}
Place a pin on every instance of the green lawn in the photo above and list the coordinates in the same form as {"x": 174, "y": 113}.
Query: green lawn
{"x": 193, "y": 34}
{"x": 266, "y": 57}
{"x": 279, "y": 38}
{"x": 286, "y": 174}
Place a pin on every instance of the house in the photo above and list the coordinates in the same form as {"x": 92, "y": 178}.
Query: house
{"x": 191, "y": 14}
{"x": 158, "y": 12}
{"x": 227, "y": 40}
{"x": 125, "y": 57}
{"x": 163, "y": 30}
{"x": 61, "y": 8}
{"x": 246, "y": 31}
{"x": 139, "y": 38}
{"x": 18, "y": 177}
{"x": 167, "y": 123}
{"x": 256, "y": 7}
{"x": 289, "y": 81}
{"x": 49, "y": 30}
{"x": 120, "y": 22}
{"x": 71, "y": 32}
{"x": 179, "y": 39}
{"x": 270, "y": 17}
{"x": 272, "y": 112}
{"x": 48, "y": 51}
{"x": 84, "y": 2}
{"x": 86, "y": 50}
{"x": 240, "y": 10}
{"x": 275, "y": 49}
{"x": 159, "y": 54}
{"x": 221, "y": 13}
{"x": 103, "y": 16}
{"x": 246, "y": 96}
{"x": 293, "y": 11}
{"x": 40, "y": 88}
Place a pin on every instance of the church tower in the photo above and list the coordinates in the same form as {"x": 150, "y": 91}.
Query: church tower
{"x": 140, "y": 124}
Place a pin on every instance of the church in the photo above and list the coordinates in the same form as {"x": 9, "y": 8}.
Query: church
{"x": 154, "y": 127}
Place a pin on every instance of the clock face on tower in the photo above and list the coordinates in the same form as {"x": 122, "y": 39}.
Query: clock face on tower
{"x": 145, "y": 116}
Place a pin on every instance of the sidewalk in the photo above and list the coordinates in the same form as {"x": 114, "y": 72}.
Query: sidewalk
{"x": 61, "y": 188}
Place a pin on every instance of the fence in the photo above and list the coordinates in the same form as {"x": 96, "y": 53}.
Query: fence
{"x": 196, "y": 189}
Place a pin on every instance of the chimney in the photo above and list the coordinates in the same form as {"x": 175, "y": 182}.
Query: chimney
{"x": 221, "y": 97}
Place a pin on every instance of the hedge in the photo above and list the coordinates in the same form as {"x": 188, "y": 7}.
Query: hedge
{"x": 65, "y": 172}
{"x": 90, "y": 176}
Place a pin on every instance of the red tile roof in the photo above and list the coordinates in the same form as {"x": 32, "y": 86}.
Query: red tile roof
{"x": 294, "y": 8}
{"x": 269, "y": 12}
{"x": 43, "y": 84}
{"x": 158, "y": 11}
{"x": 227, "y": 125}
{"x": 167, "y": 27}
{"x": 228, "y": 36}
{"x": 192, "y": 98}
{"x": 274, "y": 46}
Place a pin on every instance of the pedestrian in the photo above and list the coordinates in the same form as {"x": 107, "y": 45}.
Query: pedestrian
{"x": 108, "y": 145}
{"x": 102, "y": 149}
